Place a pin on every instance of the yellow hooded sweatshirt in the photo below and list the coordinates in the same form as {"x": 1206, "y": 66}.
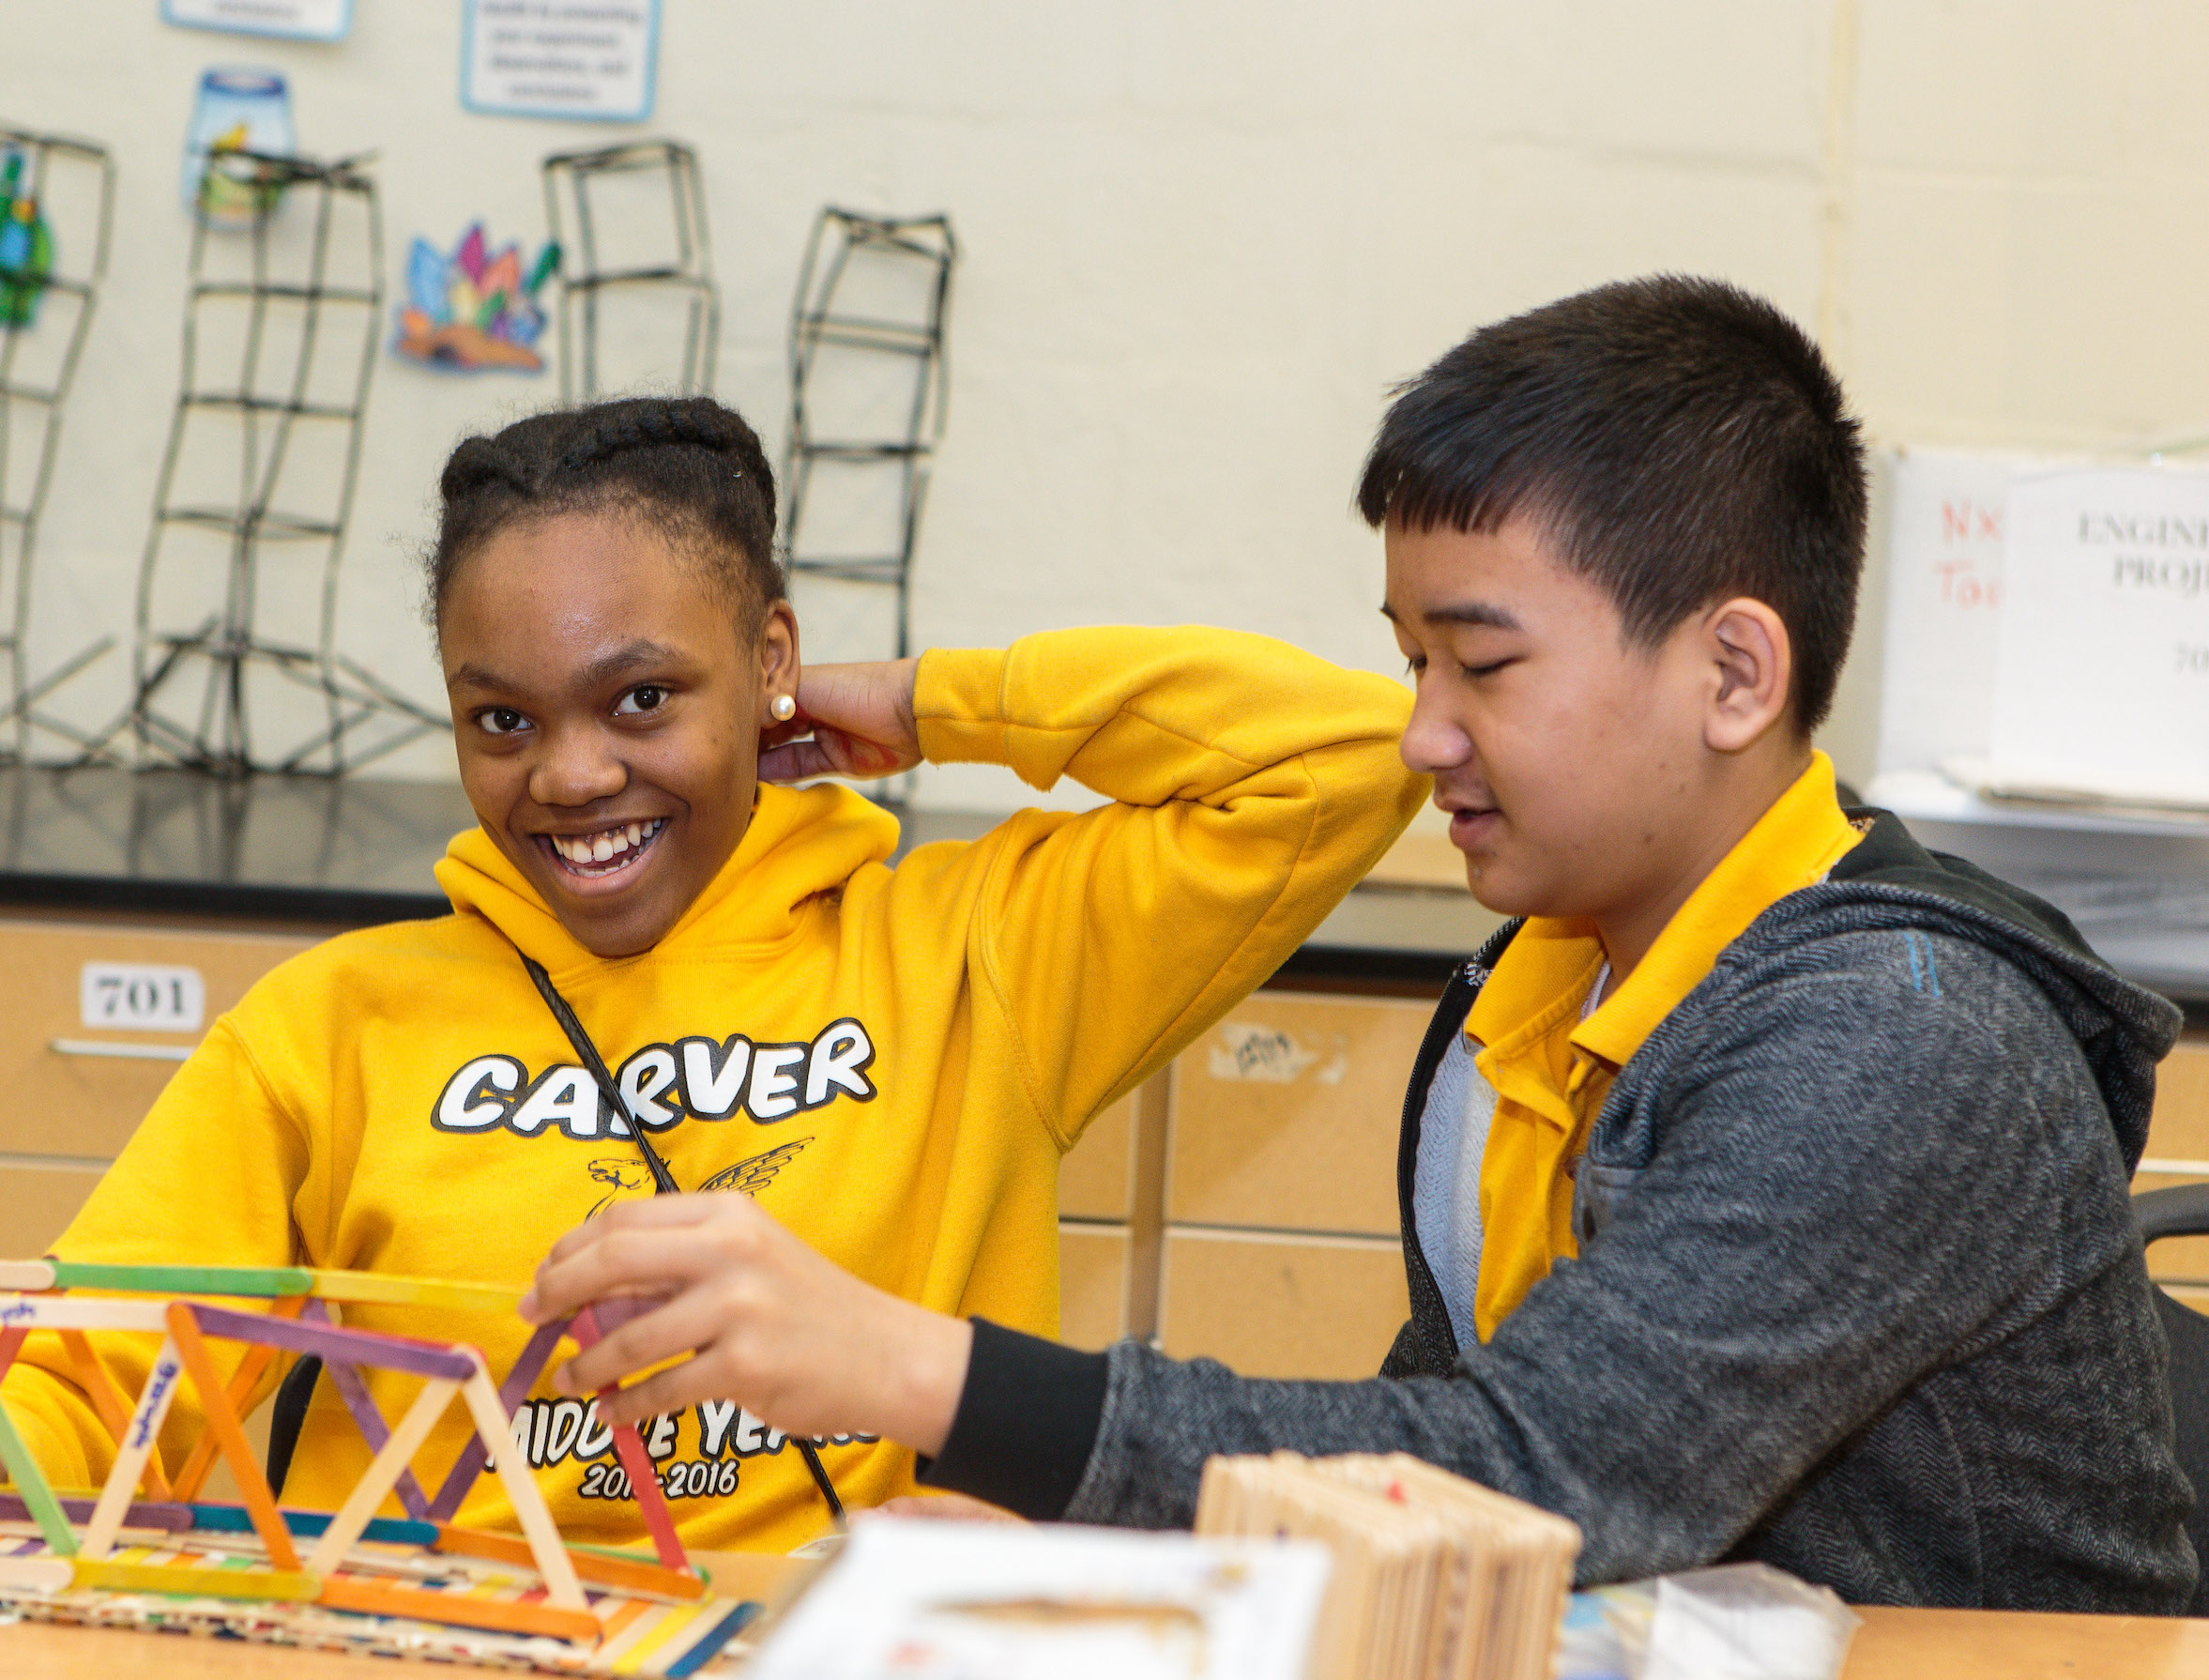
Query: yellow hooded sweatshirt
{"x": 892, "y": 1060}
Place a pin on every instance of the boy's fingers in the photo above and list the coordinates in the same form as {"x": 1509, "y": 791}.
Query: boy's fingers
{"x": 670, "y": 1390}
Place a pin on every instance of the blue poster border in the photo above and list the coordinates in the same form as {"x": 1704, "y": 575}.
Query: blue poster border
{"x": 554, "y": 114}
{"x": 344, "y": 26}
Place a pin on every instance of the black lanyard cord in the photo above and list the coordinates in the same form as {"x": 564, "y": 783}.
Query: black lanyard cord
{"x": 663, "y": 1180}
{"x": 595, "y": 1065}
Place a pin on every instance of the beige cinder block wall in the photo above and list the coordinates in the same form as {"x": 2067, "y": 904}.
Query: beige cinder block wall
{"x": 1202, "y": 239}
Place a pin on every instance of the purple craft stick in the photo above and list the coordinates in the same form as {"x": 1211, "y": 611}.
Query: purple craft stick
{"x": 356, "y": 1347}
{"x": 512, "y": 1393}
{"x": 354, "y": 1392}
{"x": 160, "y": 1513}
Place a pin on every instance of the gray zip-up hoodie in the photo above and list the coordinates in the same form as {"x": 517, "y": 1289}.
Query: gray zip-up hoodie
{"x": 1859, "y": 1292}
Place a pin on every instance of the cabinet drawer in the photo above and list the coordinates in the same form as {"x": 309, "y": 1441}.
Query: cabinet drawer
{"x": 1093, "y": 1284}
{"x": 1097, "y": 1180}
{"x": 1286, "y": 1114}
{"x": 2184, "y": 1258}
{"x": 2179, "y": 1128}
{"x": 37, "y": 1204}
{"x": 76, "y": 1101}
{"x": 1282, "y": 1306}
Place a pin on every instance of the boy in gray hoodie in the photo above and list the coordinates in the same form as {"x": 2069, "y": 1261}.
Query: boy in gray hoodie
{"x": 1763, "y": 1183}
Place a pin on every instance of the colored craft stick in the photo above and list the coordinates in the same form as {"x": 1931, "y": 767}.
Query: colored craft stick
{"x": 108, "y": 1401}
{"x": 383, "y": 1289}
{"x": 368, "y": 1492}
{"x": 242, "y": 1381}
{"x": 11, "y": 1341}
{"x": 287, "y": 1584}
{"x": 644, "y": 1480}
{"x": 32, "y": 1489}
{"x": 174, "y": 1517}
{"x": 522, "y": 1493}
{"x": 602, "y": 1568}
{"x": 710, "y": 1644}
{"x": 663, "y": 1631}
{"x": 238, "y": 1452}
{"x": 369, "y": 1420}
{"x": 382, "y": 1598}
{"x": 359, "y": 1346}
{"x": 66, "y": 1312}
{"x": 133, "y": 1450}
{"x": 28, "y": 1275}
{"x": 512, "y": 1393}
{"x": 617, "y": 1310}
{"x": 38, "y": 1574}
{"x": 183, "y": 1280}
{"x": 308, "y": 1525}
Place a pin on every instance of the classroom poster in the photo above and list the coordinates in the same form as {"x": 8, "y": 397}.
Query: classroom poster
{"x": 595, "y": 60}
{"x": 291, "y": 20}
{"x": 1944, "y": 549}
{"x": 2101, "y": 682}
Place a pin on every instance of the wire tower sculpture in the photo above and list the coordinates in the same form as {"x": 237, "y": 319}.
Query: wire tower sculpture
{"x": 662, "y": 262}
{"x": 883, "y": 366}
{"x": 45, "y": 315}
{"x": 292, "y": 395}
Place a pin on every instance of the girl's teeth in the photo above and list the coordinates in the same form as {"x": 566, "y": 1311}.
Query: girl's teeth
{"x": 635, "y": 835}
{"x": 600, "y": 849}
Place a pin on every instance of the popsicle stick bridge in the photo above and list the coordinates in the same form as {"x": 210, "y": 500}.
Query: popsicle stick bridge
{"x": 148, "y": 1545}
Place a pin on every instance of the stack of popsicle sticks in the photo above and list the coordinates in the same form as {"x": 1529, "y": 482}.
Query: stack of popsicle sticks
{"x": 299, "y": 1320}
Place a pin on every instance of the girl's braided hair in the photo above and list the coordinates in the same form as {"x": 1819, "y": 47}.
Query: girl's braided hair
{"x": 691, "y": 467}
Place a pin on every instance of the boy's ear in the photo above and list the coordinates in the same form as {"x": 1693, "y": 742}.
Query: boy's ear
{"x": 1751, "y": 674}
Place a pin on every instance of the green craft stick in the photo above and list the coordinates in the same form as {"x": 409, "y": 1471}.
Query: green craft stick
{"x": 30, "y": 1485}
{"x": 185, "y": 1280}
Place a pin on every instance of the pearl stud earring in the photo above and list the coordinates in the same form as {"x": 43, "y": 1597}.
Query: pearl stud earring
{"x": 784, "y": 709}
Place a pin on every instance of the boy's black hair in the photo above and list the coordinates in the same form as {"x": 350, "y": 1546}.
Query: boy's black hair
{"x": 1679, "y": 442}
{"x": 692, "y": 468}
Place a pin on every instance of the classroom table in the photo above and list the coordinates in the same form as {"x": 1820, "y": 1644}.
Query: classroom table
{"x": 1893, "y": 1644}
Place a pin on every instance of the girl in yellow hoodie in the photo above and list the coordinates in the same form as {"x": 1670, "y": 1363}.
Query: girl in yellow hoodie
{"x": 892, "y": 1061}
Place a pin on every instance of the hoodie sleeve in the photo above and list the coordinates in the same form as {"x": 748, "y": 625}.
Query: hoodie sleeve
{"x": 208, "y": 1177}
{"x": 1253, "y": 785}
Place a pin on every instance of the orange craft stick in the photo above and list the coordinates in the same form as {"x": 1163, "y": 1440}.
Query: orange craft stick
{"x": 636, "y": 1575}
{"x": 237, "y": 1451}
{"x": 381, "y": 1598}
{"x": 115, "y": 1412}
{"x": 201, "y": 1458}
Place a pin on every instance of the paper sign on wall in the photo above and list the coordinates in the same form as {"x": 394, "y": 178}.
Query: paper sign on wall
{"x": 2101, "y": 684}
{"x": 1945, "y": 555}
{"x": 292, "y": 20}
{"x": 589, "y": 59}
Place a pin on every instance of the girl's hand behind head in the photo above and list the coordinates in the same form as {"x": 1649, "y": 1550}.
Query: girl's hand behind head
{"x": 852, "y": 720}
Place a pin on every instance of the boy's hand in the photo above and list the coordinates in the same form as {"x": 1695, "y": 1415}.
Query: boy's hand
{"x": 799, "y": 1341}
{"x": 860, "y": 721}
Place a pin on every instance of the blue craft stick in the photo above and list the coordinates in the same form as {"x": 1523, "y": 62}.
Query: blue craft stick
{"x": 725, "y": 1630}
{"x": 308, "y": 1525}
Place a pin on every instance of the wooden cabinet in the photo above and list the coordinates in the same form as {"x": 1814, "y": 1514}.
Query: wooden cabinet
{"x": 1286, "y": 1115}
{"x": 2178, "y": 1154}
{"x": 1093, "y": 1284}
{"x": 1242, "y": 1206}
{"x": 78, "y": 1083}
{"x": 1272, "y": 1306}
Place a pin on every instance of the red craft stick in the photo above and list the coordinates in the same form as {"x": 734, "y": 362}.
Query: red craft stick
{"x": 644, "y": 1481}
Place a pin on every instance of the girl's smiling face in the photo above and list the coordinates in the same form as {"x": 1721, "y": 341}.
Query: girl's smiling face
{"x": 607, "y": 700}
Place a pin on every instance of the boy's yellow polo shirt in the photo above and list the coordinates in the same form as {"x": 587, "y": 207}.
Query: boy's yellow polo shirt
{"x": 1550, "y": 1069}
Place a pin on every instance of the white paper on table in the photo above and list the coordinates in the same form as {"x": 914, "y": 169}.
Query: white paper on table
{"x": 2101, "y": 682}
{"x": 1945, "y": 513}
{"x": 918, "y": 1599}
{"x": 1747, "y": 1621}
